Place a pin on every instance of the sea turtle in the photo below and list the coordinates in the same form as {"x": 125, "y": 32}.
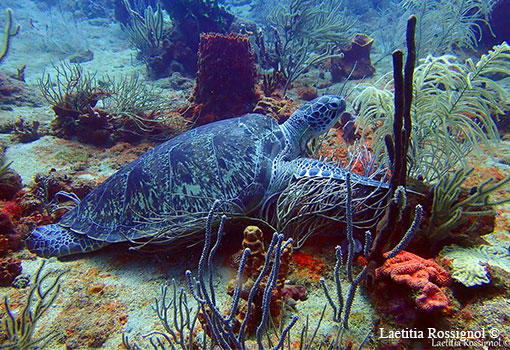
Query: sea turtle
{"x": 165, "y": 194}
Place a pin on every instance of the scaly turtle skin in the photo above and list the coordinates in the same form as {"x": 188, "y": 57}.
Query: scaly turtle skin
{"x": 164, "y": 195}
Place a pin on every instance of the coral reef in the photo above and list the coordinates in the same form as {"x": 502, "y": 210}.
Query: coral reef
{"x": 71, "y": 90}
{"x": 355, "y": 63}
{"x": 277, "y": 107}
{"x": 422, "y": 275}
{"x": 131, "y": 110}
{"x": 458, "y": 214}
{"x": 171, "y": 56}
{"x": 294, "y": 292}
{"x": 145, "y": 30}
{"x": 171, "y": 47}
{"x": 271, "y": 82}
{"x": 50, "y": 196}
{"x": 10, "y": 211}
{"x": 254, "y": 240}
{"x": 341, "y": 309}
{"x": 460, "y": 24}
{"x": 469, "y": 264}
{"x": 452, "y": 101}
{"x": 10, "y": 181}
{"x": 304, "y": 33}
{"x": 25, "y": 132}
{"x": 48, "y": 185}
{"x": 226, "y": 78}
{"x": 221, "y": 330}
{"x": 157, "y": 42}
{"x": 10, "y": 268}
{"x": 193, "y": 17}
{"x": 10, "y": 239}
{"x": 309, "y": 264}
{"x": 390, "y": 229}
{"x": 306, "y": 93}
{"x": 447, "y": 125}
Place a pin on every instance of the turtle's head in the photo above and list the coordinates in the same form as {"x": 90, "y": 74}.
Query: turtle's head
{"x": 314, "y": 118}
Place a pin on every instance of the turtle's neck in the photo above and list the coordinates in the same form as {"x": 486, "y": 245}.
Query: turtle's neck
{"x": 294, "y": 130}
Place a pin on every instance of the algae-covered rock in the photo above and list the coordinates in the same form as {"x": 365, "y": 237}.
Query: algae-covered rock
{"x": 468, "y": 264}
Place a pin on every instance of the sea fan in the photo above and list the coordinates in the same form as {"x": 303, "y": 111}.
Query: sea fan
{"x": 452, "y": 111}
{"x": 445, "y": 23}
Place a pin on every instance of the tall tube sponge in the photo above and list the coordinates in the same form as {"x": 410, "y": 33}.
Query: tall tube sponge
{"x": 9, "y": 32}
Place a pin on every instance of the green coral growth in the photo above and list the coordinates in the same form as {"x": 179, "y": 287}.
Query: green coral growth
{"x": 130, "y": 97}
{"x": 446, "y": 23}
{"x": 21, "y": 328}
{"x": 145, "y": 32}
{"x": 4, "y": 169}
{"x": 306, "y": 33}
{"x": 74, "y": 90}
{"x": 322, "y": 23}
{"x": 451, "y": 207}
{"x": 452, "y": 111}
{"x": 468, "y": 263}
{"x": 70, "y": 88}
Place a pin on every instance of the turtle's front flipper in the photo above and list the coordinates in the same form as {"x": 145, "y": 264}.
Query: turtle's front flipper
{"x": 306, "y": 167}
{"x": 55, "y": 240}
{"x": 313, "y": 195}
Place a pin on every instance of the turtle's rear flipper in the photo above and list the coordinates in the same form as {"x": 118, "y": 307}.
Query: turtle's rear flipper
{"x": 55, "y": 240}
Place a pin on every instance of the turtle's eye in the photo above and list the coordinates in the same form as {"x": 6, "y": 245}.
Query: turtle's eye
{"x": 335, "y": 103}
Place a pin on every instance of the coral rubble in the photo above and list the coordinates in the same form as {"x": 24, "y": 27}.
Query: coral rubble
{"x": 11, "y": 235}
{"x": 10, "y": 182}
{"x": 10, "y": 239}
{"x": 9, "y": 269}
{"x": 14, "y": 92}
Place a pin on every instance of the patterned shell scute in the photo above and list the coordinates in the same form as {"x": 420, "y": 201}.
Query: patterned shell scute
{"x": 176, "y": 182}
